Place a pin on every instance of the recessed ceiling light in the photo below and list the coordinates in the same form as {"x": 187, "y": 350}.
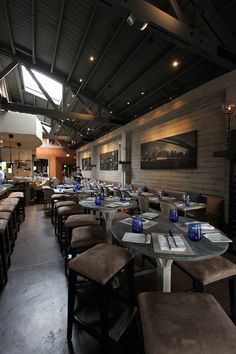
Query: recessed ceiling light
{"x": 142, "y": 92}
{"x": 80, "y": 80}
{"x": 73, "y": 95}
{"x": 128, "y": 102}
{"x": 150, "y": 107}
{"x": 73, "y": 120}
{"x": 110, "y": 112}
{"x": 170, "y": 98}
{"x": 67, "y": 118}
{"x": 68, "y": 104}
{"x": 175, "y": 63}
{"x": 91, "y": 58}
{"x": 144, "y": 25}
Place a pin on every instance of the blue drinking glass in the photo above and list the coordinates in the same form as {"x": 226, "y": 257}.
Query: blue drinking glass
{"x": 137, "y": 225}
{"x": 98, "y": 200}
{"x": 173, "y": 215}
{"x": 194, "y": 232}
{"x": 122, "y": 198}
{"x": 101, "y": 196}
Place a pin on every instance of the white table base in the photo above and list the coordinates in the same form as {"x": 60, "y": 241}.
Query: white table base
{"x": 164, "y": 270}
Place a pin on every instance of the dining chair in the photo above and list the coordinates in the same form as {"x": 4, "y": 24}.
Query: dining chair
{"x": 166, "y": 207}
{"x": 143, "y": 203}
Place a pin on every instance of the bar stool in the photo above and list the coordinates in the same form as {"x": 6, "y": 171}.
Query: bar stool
{"x": 13, "y": 202}
{"x": 183, "y": 323}
{"x": 55, "y": 198}
{"x": 62, "y": 214}
{"x": 5, "y": 207}
{"x": 210, "y": 271}
{"x": 5, "y": 250}
{"x": 21, "y": 197}
{"x": 4, "y": 215}
{"x": 74, "y": 221}
{"x": 100, "y": 264}
{"x": 59, "y": 205}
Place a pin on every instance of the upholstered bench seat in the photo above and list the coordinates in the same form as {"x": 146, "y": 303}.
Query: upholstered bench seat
{"x": 80, "y": 220}
{"x": 87, "y": 236}
{"x": 184, "y": 323}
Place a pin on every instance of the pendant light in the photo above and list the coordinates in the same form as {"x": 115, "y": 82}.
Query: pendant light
{"x": 10, "y": 166}
{"x": 19, "y": 146}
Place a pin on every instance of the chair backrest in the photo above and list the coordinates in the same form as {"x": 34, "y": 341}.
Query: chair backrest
{"x": 126, "y": 193}
{"x": 166, "y": 206}
{"x": 117, "y": 193}
{"x": 47, "y": 193}
{"x": 107, "y": 192}
{"x": 55, "y": 181}
{"x": 143, "y": 203}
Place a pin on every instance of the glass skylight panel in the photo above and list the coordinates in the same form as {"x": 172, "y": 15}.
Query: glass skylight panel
{"x": 53, "y": 88}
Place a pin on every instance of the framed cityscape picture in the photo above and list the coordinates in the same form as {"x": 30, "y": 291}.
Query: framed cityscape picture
{"x": 174, "y": 152}
{"x": 109, "y": 161}
{"x": 86, "y": 164}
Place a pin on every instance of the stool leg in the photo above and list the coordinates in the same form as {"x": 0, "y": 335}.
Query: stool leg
{"x": 198, "y": 287}
{"x": 103, "y": 305}
{"x": 130, "y": 275}
{"x": 71, "y": 303}
{"x": 232, "y": 293}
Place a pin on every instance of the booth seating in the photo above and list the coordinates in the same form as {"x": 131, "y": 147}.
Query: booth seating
{"x": 184, "y": 323}
{"x": 100, "y": 264}
{"x": 209, "y": 271}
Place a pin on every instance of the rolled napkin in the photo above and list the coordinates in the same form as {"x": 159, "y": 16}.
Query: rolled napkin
{"x": 207, "y": 227}
{"x": 163, "y": 242}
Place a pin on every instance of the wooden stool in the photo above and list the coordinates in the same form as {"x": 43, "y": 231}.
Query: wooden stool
{"x": 55, "y": 198}
{"x": 100, "y": 264}
{"x": 184, "y": 323}
{"x": 210, "y": 271}
{"x": 21, "y": 197}
{"x": 74, "y": 221}
{"x": 5, "y": 250}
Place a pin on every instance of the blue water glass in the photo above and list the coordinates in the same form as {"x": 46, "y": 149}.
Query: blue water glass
{"x": 137, "y": 225}
{"x": 78, "y": 186}
{"x": 101, "y": 196}
{"x": 60, "y": 189}
{"x": 74, "y": 188}
{"x": 98, "y": 200}
{"x": 122, "y": 198}
{"x": 173, "y": 215}
{"x": 194, "y": 232}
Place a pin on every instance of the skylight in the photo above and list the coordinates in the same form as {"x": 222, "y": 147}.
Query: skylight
{"x": 53, "y": 88}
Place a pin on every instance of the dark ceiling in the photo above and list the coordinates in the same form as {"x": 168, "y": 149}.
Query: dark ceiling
{"x": 132, "y": 71}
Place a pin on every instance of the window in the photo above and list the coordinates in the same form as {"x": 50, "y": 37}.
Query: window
{"x": 53, "y": 88}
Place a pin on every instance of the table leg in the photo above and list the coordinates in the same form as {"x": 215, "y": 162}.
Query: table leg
{"x": 108, "y": 221}
{"x": 164, "y": 270}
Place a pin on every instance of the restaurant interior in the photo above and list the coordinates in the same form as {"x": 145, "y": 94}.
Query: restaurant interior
{"x": 117, "y": 177}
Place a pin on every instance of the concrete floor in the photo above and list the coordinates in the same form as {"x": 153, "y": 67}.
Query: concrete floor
{"x": 33, "y": 304}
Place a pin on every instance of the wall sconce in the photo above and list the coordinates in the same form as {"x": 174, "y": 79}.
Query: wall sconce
{"x": 228, "y": 109}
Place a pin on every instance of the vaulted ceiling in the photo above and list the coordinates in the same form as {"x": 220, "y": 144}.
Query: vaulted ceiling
{"x": 132, "y": 71}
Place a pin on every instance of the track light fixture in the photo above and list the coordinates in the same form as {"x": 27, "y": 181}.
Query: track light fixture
{"x": 131, "y": 19}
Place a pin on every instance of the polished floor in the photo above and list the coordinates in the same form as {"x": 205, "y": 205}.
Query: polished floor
{"x": 33, "y": 305}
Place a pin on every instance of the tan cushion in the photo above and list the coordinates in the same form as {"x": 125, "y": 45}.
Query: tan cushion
{"x": 87, "y": 236}
{"x": 58, "y": 196}
{"x": 101, "y": 262}
{"x": 209, "y": 270}
{"x": 5, "y": 215}
{"x": 80, "y": 220}
{"x": 3, "y": 225}
{"x": 10, "y": 201}
{"x": 185, "y": 323}
{"x": 67, "y": 210}
{"x": 7, "y": 207}
{"x": 64, "y": 203}
{"x": 16, "y": 195}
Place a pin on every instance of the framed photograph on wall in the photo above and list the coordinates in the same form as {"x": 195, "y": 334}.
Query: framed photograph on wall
{"x": 174, "y": 152}
{"x": 86, "y": 164}
{"x": 109, "y": 161}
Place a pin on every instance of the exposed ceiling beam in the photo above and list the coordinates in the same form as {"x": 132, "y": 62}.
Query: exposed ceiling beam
{"x": 48, "y": 97}
{"x": 179, "y": 11}
{"x": 216, "y": 25}
{"x": 125, "y": 62}
{"x": 45, "y": 69}
{"x": 51, "y": 113}
{"x": 34, "y": 31}
{"x": 104, "y": 51}
{"x": 159, "y": 87}
{"x": 89, "y": 23}
{"x": 19, "y": 85}
{"x": 178, "y": 32}
{"x": 8, "y": 69}
{"x": 58, "y": 34}
{"x": 9, "y": 26}
{"x": 142, "y": 74}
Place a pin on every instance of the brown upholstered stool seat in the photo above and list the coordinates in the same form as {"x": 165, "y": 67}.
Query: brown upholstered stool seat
{"x": 16, "y": 195}
{"x": 68, "y": 210}
{"x": 58, "y": 196}
{"x": 210, "y": 270}
{"x": 80, "y": 220}
{"x": 184, "y": 323}
{"x": 7, "y": 207}
{"x": 87, "y": 236}
{"x": 101, "y": 262}
{"x": 5, "y": 249}
{"x": 64, "y": 203}
{"x": 10, "y": 201}
{"x": 5, "y": 215}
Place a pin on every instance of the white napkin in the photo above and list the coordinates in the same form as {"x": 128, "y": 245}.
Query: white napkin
{"x": 216, "y": 237}
{"x": 164, "y": 246}
{"x": 207, "y": 227}
{"x": 137, "y": 238}
{"x": 173, "y": 244}
{"x": 149, "y": 215}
